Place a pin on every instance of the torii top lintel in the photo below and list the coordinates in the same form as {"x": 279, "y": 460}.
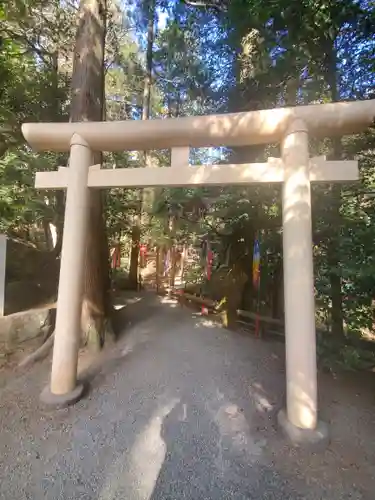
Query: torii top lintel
{"x": 235, "y": 129}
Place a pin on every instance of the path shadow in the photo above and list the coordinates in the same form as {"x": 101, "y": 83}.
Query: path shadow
{"x": 210, "y": 456}
{"x": 131, "y": 308}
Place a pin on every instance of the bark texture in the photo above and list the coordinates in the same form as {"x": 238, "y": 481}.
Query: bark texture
{"x": 149, "y": 60}
{"x": 335, "y": 275}
{"x": 334, "y": 265}
{"x": 87, "y": 105}
{"x": 134, "y": 253}
{"x": 147, "y": 195}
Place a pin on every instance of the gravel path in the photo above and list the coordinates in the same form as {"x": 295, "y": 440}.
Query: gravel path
{"x": 180, "y": 409}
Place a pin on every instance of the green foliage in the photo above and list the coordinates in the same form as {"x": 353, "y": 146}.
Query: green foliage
{"x": 336, "y": 356}
{"x": 224, "y": 56}
{"x": 21, "y": 206}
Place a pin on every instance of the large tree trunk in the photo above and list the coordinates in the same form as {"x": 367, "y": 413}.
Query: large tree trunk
{"x": 147, "y": 195}
{"x": 87, "y": 104}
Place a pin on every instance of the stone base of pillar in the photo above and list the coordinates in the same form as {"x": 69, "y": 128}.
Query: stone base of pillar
{"x": 312, "y": 439}
{"x": 58, "y": 401}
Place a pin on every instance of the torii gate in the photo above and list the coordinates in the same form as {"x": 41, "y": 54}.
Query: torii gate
{"x": 295, "y": 170}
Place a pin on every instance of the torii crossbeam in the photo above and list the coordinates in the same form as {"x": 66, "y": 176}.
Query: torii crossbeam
{"x": 320, "y": 170}
{"x": 295, "y": 170}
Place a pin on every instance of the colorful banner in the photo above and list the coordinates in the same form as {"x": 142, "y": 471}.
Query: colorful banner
{"x": 256, "y": 264}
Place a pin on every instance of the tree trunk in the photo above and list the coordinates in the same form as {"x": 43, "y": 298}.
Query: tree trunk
{"x": 335, "y": 275}
{"x": 146, "y": 194}
{"x": 157, "y": 269}
{"x": 337, "y": 316}
{"x": 47, "y": 235}
{"x": 87, "y": 105}
{"x": 146, "y": 111}
{"x": 134, "y": 254}
{"x": 183, "y": 263}
{"x": 172, "y": 273}
{"x": 56, "y": 116}
{"x": 172, "y": 252}
{"x": 59, "y": 222}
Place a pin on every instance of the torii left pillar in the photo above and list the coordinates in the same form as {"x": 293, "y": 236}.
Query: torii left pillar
{"x": 63, "y": 389}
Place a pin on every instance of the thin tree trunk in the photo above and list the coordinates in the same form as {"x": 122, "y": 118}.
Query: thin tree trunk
{"x": 157, "y": 269}
{"x": 146, "y": 111}
{"x": 172, "y": 273}
{"x": 146, "y": 194}
{"x": 172, "y": 253}
{"x": 337, "y": 316}
{"x": 47, "y": 235}
{"x": 88, "y": 104}
{"x": 55, "y": 109}
{"x": 59, "y": 195}
{"x": 335, "y": 275}
{"x": 183, "y": 262}
{"x": 59, "y": 224}
{"x": 134, "y": 253}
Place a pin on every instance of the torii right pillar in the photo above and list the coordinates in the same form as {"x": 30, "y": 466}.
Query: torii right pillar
{"x": 299, "y": 421}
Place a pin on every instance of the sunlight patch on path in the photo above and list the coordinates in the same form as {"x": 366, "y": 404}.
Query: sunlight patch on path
{"x": 236, "y": 441}
{"x": 134, "y": 474}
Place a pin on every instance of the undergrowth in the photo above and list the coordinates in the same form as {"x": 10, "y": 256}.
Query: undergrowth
{"x": 334, "y": 355}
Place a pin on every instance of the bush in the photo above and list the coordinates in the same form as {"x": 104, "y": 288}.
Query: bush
{"x": 334, "y": 355}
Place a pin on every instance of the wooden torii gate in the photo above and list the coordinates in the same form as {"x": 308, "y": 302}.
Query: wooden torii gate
{"x": 295, "y": 170}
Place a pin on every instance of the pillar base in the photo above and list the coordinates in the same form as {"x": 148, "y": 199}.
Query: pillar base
{"x": 313, "y": 439}
{"x": 58, "y": 401}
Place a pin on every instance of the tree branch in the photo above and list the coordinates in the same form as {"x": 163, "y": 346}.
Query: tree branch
{"x": 219, "y": 5}
{"x": 30, "y": 45}
{"x": 213, "y": 228}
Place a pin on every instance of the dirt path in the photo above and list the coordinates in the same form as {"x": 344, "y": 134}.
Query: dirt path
{"x": 178, "y": 409}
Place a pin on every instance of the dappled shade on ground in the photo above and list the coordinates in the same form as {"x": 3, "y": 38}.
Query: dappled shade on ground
{"x": 180, "y": 408}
